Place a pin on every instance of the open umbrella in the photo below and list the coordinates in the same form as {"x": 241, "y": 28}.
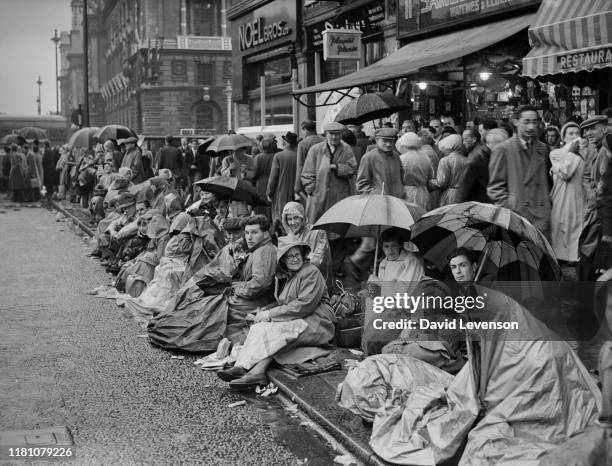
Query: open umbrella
{"x": 31, "y": 132}
{"x": 511, "y": 248}
{"x": 367, "y": 215}
{"x": 230, "y": 187}
{"x": 83, "y": 137}
{"x": 114, "y": 132}
{"x": 368, "y": 107}
{"x": 230, "y": 142}
{"x": 9, "y": 138}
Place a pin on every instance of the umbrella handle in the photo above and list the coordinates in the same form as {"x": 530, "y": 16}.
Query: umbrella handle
{"x": 482, "y": 260}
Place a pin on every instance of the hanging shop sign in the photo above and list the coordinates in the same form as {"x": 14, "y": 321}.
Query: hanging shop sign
{"x": 367, "y": 19}
{"x": 419, "y": 16}
{"x": 341, "y": 44}
{"x": 585, "y": 60}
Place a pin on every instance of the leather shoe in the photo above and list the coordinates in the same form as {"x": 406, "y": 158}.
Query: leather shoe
{"x": 249, "y": 382}
{"x": 227, "y": 375}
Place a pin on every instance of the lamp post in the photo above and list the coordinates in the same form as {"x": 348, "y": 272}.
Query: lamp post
{"x": 55, "y": 39}
{"x": 228, "y": 95}
{"x": 39, "y": 82}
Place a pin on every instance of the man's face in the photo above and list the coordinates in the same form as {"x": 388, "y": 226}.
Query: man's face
{"x": 595, "y": 134}
{"x": 253, "y": 235}
{"x": 295, "y": 223}
{"x": 462, "y": 269}
{"x": 333, "y": 138}
{"x": 385, "y": 144}
{"x": 391, "y": 250}
{"x": 527, "y": 124}
{"x": 408, "y": 127}
{"x": 552, "y": 138}
{"x": 571, "y": 134}
{"x": 437, "y": 126}
{"x": 184, "y": 142}
{"x": 469, "y": 140}
{"x": 140, "y": 209}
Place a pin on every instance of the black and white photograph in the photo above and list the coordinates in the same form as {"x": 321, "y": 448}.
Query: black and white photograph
{"x": 309, "y": 232}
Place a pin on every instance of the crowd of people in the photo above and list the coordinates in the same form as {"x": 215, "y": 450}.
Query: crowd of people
{"x": 261, "y": 277}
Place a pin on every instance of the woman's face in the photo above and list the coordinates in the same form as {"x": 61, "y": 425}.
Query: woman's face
{"x": 295, "y": 223}
{"x": 143, "y": 225}
{"x": 391, "y": 250}
{"x": 571, "y": 133}
{"x": 222, "y": 208}
{"x": 293, "y": 259}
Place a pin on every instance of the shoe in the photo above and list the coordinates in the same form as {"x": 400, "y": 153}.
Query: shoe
{"x": 95, "y": 253}
{"x": 114, "y": 269}
{"x": 249, "y": 382}
{"x": 233, "y": 373}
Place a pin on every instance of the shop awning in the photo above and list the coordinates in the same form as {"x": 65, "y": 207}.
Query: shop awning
{"x": 570, "y": 36}
{"x": 426, "y": 52}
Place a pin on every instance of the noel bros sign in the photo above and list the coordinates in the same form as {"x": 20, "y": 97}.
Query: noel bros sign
{"x": 257, "y": 32}
{"x": 341, "y": 44}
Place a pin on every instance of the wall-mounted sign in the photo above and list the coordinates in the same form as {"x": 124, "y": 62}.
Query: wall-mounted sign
{"x": 341, "y": 44}
{"x": 419, "y": 16}
{"x": 368, "y": 19}
{"x": 586, "y": 60}
{"x": 258, "y": 32}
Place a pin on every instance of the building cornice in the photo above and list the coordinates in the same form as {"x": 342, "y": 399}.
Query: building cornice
{"x": 243, "y": 8}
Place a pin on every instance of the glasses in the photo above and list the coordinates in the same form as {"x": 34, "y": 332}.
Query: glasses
{"x": 294, "y": 257}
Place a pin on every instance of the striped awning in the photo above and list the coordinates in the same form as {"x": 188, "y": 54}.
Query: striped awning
{"x": 570, "y": 36}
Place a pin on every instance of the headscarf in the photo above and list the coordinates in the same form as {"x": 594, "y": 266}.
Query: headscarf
{"x": 292, "y": 208}
{"x": 285, "y": 245}
{"x": 566, "y": 126}
{"x": 407, "y": 142}
{"x": 451, "y": 143}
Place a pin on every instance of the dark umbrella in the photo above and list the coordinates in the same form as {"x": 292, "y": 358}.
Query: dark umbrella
{"x": 83, "y": 137}
{"x": 114, "y": 132}
{"x": 368, "y": 107}
{"x": 230, "y": 142}
{"x": 9, "y": 139}
{"x": 230, "y": 187}
{"x": 31, "y": 132}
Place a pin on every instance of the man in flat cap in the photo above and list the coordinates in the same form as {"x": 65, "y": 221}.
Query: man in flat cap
{"x": 599, "y": 155}
{"x": 309, "y": 130}
{"x": 327, "y": 176}
{"x": 133, "y": 160}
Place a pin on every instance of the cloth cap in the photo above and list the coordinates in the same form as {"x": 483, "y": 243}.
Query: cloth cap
{"x": 130, "y": 139}
{"x": 126, "y": 200}
{"x": 451, "y": 143}
{"x": 333, "y": 127}
{"x": 597, "y": 119}
{"x": 387, "y": 133}
{"x": 120, "y": 141}
{"x": 309, "y": 125}
{"x": 290, "y": 138}
{"x": 408, "y": 141}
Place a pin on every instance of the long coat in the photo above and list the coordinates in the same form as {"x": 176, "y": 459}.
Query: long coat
{"x": 324, "y": 186}
{"x": 376, "y": 168}
{"x": 519, "y": 181}
{"x": 281, "y": 181}
{"x": 263, "y": 166}
{"x": 302, "y": 152}
{"x": 133, "y": 161}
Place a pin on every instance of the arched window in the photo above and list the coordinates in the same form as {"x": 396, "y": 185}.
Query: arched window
{"x": 205, "y": 116}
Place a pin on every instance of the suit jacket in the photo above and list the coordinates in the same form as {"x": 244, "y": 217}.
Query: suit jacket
{"x": 519, "y": 180}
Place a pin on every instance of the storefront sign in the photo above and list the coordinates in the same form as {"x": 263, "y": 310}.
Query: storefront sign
{"x": 418, "y": 16}
{"x": 257, "y": 33}
{"x": 586, "y": 60}
{"x": 341, "y": 44}
{"x": 367, "y": 19}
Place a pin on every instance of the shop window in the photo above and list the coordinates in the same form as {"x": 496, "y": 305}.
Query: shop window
{"x": 333, "y": 69}
{"x": 203, "y": 18}
{"x": 205, "y": 74}
{"x": 279, "y": 110}
{"x": 277, "y": 71}
{"x": 205, "y": 116}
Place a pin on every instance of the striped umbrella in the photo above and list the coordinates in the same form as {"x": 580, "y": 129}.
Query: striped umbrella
{"x": 510, "y": 247}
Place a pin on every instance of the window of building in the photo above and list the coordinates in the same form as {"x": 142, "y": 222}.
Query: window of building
{"x": 205, "y": 74}
{"x": 203, "y": 18}
{"x": 277, "y": 71}
{"x": 279, "y": 110}
{"x": 205, "y": 116}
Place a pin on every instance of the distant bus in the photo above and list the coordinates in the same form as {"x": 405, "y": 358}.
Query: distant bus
{"x": 56, "y": 126}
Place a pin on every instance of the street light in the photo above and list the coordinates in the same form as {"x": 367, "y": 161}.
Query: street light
{"x": 55, "y": 39}
{"x": 422, "y": 85}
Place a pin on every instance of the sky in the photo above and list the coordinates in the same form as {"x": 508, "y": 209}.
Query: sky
{"x": 26, "y": 51}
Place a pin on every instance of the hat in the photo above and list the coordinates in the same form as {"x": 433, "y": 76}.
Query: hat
{"x": 284, "y": 245}
{"x": 268, "y": 145}
{"x": 290, "y": 138}
{"x": 566, "y": 126}
{"x": 597, "y": 119}
{"x": 165, "y": 173}
{"x": 408, "y": 141}
{"x": 309, "y": 125}
{"x": 386, "y": 133}
{"x": 120, "y": 142}
{"x": 131, "y": 139}
{"x": 126, "y": 200}
{"x": 450, "y": 143}
{"x": 334, "y": 126}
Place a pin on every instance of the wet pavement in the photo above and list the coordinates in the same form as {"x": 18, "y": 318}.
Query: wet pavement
{"x": 71, "y": 359}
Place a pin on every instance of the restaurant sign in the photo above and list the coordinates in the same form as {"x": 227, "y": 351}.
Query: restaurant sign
{"x": 419, "y": 16}
{"x": 341, "y": 44}
{"x": 585, "y": 60}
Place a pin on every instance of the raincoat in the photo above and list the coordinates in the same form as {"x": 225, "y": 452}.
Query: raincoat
{"x": 417, "y": 170}
{"x": 301, "y": 321}
{"x": 18, "y": 178}
{"x": 281, "y": 181}
{"x": 450, "y": 177}
{"x": 302, "y": 152}
{"x": 324, "y": 186}
{"x": 133, "y": 161}
{"x": 207, "y": 240}
{"x": 377, "y": 168}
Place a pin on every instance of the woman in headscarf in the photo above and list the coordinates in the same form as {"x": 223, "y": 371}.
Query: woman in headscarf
{"x": 168, "y": 274}
{"x": 567, "y": 212}
{"x": 451, "y": 171}
{"x": 18, "y": 183}
{"x": 416, "y": 170}
{"x": 297, "y": 328}
{"x": 298, "y": 229}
